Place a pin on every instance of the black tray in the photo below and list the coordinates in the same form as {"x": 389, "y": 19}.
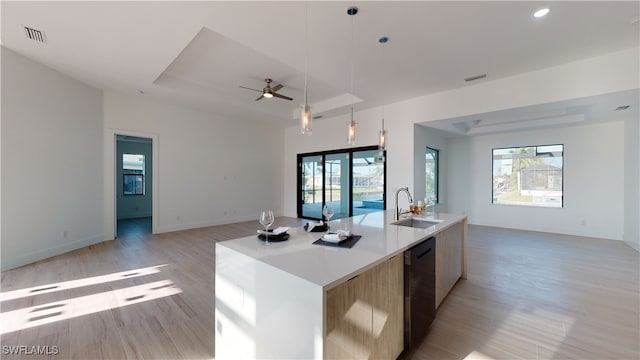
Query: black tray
{"x": 346, "y": 243}
{"x": 274, "y": 238}
{"x": 321, "y": 228}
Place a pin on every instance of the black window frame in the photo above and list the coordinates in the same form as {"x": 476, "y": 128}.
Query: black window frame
{"x": 494, "y": 198}
{"x": 437, "y": 172}
{"x": 323, "y": 154}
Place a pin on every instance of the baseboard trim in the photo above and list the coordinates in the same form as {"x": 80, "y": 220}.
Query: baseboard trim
{"x": 635, "y": 246}
{"x": 11, "y": 261}
{"x": 189, "y": 226}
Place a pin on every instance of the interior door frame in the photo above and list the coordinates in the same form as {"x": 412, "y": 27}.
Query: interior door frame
{"x": 322, "y": 154}
{"x": 110, "y": 185}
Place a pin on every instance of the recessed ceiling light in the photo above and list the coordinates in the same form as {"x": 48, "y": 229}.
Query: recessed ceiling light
{"x": 540, "y": 13}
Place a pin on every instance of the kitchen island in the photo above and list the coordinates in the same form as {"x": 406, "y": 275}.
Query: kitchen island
{"x": 295, "y": 299}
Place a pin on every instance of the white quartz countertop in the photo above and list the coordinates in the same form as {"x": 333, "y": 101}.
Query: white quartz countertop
{"x": 328, "y": 266}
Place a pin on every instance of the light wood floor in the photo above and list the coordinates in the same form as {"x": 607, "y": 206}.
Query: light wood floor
{"x": 528, "y": 295}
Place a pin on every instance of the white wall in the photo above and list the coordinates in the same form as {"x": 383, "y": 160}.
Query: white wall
{"x": 632, "y": 183}
{"x": 211, "y": 170}
{"x": 593, "y": 181}
{"x": 423, "y": 137}
{"x": 134, "y": 206}
{"x": 51, "y": 162}
{"x": 608, "y": 73}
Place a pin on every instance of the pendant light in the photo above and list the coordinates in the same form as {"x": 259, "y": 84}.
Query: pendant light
{"x": 305, "y": 115}
{"x": 382, "y": 136}
{"x": 351, "y": 126}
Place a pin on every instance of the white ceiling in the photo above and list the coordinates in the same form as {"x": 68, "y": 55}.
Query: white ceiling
{"x": 199, "y": 53}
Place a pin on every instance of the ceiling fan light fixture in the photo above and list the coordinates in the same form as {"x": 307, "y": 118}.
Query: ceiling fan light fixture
{"x": 267, "y": 95}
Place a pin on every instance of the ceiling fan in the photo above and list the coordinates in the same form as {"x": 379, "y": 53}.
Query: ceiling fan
{"x": 269, "y": 92}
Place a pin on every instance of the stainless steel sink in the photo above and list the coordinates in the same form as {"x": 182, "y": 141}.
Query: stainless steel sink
{"x": 417, "y": 223}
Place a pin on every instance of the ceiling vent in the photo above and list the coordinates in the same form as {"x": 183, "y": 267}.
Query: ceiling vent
{"x": 35, "y": 35}
{"x": 623, "y": 107}
{"x": 477, "y": 77}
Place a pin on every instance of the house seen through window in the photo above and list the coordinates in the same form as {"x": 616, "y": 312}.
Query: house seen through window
{"x": 133, "y": 170}
{"x": 529, "y": 176}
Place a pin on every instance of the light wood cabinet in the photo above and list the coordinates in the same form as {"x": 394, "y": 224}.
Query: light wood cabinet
{"x": 449, "y": 260}
{"x": 364, "y": 315}
{"x": 388, "y": 300}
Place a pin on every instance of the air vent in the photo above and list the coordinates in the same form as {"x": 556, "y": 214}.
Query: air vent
{"x": 477, "y": 77}
{"x": 35, "y": 35}
{"x": 317, "y": 117}
{"x": 623, "y": 107}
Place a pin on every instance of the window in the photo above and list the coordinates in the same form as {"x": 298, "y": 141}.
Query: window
{"x": 431, "y": 174}
{"x": 528, "y": 176}
{"x": 133, "y": 170}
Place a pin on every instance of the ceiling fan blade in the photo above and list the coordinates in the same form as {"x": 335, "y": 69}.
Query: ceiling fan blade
{"x": 261, "y": 96}
{"x": 282, "y": 97}
{"x": 277, "y": 87}
{"x": 244, "y": 87}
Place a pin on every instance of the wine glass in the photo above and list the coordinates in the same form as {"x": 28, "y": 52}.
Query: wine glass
{"x": 327, "y": 211}
{"x": 266, "y": 219}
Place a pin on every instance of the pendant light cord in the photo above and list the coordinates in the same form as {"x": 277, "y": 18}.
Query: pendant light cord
{"x": 352, "y": 55}
{"x": 384, "y": 63}
{"x": 306, "y": 48}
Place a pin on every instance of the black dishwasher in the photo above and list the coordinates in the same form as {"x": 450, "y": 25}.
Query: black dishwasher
{"x": 419, "y": 291}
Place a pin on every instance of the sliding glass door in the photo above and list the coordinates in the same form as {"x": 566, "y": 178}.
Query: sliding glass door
{"x": 311, "y": 187}
{"x": 368, "y": 182}
{"x": 336, "y": 175}
{"x": 350, "y": 180}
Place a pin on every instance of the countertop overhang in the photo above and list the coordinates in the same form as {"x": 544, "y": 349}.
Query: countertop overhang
{"x": 328, "y": 266}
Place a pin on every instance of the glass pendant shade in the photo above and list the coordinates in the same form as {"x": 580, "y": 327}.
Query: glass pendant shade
{"x": 305, "y": 120}
{"x": 351, "y": 131}
{"x": 382, "y": 140}
{"x": 382, "y": 136}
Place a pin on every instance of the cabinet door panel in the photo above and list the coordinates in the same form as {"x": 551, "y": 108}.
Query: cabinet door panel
{"x": 448, "y": 260}
{"x": 349, "y": 320}
{"x": 388, "y": 297}
{"x": 364, "y": 316}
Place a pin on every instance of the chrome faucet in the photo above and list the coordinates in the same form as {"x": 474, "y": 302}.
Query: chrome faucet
{"x": 398, "y": 210}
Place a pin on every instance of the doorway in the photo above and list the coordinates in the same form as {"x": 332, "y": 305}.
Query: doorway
{"x": 352, "y": 181}
{"x": 134, "y": 186}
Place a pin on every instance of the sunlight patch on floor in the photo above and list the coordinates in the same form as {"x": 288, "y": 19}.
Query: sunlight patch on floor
{"x": 477, "y": 355}
{"x": 72, "y": 284}
{"x": 544, "y": 327}
{"x": 70, "y": 308}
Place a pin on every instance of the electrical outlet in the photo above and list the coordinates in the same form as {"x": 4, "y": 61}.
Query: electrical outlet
{"x": 178, "y": 218}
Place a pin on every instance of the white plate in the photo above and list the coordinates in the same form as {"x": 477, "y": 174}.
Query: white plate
{"x": 334, "y": 239}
